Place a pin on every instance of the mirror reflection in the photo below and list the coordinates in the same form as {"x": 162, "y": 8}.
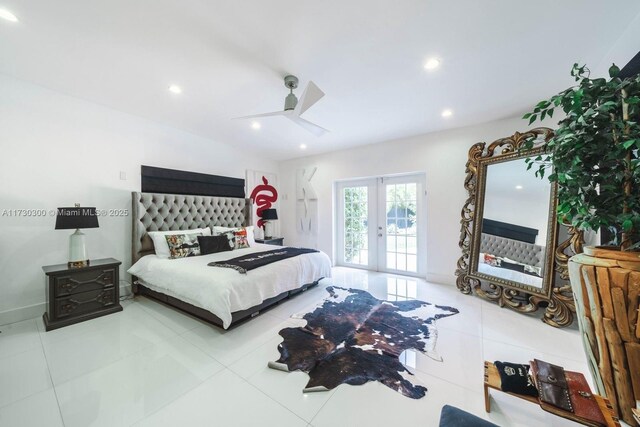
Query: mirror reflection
{"x": 514, "y": 224}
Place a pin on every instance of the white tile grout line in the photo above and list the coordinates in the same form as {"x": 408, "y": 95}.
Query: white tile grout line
{"x": 204, "y": 350}
{"x": 159, "y": 319}
{"x": 335, "y": 391}
{"x": 271, "y": 398}
{"x": 143, "y": 348}
{"x": 520, "y": 346}
{"x": 222, "y": 369}
{"x": 53, "y": 386}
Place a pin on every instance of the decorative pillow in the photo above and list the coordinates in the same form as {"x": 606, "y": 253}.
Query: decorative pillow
{"x": 511, "y": 266}
{"x": 491, "y": 260}
{"x": 250, "y": 233}
{"x": 214, "y": 244}
{"x": 241, "y": 239}
{"x": 183, "y": 245}
{"x": 533, "y": 270}
{"x": 160, "y": 242}
{"x": 231, "y": 239}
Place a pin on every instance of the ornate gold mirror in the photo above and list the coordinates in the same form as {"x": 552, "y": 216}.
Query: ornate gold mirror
{"x": 509, "y": 231}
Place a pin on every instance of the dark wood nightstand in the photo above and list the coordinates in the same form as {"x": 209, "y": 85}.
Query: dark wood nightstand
{"x": 78, "y": 294}
{"x": 278, "y": 241}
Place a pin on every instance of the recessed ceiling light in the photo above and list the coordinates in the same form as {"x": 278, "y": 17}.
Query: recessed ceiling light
{"x": 519, "y": 187}
{"x": 175, "y": 89}
{"x": 447, "y": 113}
{"x": 5, "y": 14}
{"x": 303, "y": 146}
{"x": 255, "y": 125}
{"x": 432, "y": 64}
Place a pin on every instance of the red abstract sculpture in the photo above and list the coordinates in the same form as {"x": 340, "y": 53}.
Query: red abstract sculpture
{"x": 263, "y": 196}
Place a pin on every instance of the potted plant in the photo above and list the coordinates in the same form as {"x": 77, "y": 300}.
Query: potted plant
{"x": 593, "y": 157}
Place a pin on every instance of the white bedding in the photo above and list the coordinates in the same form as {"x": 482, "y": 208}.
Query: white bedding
{"x": 223, "y": 291}
{"x": 512, "y": 275}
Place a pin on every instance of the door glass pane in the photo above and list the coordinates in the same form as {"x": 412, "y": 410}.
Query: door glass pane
{"x": 355, "y": 202}
{"x": 401, "y": 221}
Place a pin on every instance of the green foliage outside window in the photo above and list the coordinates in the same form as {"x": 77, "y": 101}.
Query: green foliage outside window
{"x": 355, "y": 222}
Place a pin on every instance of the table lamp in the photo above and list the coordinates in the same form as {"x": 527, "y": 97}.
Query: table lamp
{"x": 269, "y": 215}
{"x": 78, "y": 218}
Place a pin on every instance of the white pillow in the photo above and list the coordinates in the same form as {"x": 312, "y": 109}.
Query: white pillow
{"x": 250, "y": 237}
{"x": 160, "y": 241}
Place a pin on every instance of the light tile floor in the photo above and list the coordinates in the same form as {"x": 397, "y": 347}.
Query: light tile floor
{"x": 151, "y": 365}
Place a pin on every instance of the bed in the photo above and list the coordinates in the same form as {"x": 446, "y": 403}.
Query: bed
{"x": 514, "y": 252}
{"x": 220, "y": 296}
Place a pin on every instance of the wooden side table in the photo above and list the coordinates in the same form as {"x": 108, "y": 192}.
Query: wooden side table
{"x": 279, "y": 241}
{"x": 78, "y": 294}
{"x": 492, "y": 380}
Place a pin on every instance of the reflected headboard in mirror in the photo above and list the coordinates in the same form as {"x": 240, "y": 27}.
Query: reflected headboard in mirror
{"x": 509, "y": 231}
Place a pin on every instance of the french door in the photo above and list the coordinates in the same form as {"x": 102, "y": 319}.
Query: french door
{"x": 381, "y": 225}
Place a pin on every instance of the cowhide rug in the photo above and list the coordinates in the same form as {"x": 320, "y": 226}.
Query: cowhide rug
{"x": 354, "y": 338}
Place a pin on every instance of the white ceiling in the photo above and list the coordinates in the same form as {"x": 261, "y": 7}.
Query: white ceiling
{"x": 499, "y": 57}
{"x": 503, "y": 178}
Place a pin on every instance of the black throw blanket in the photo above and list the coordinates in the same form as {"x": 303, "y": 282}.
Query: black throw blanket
{"x": 248, "y": 262}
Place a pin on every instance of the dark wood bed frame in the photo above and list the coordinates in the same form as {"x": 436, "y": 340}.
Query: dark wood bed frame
{"x": 160, "y": 211}
{"x": 237, "y": 317}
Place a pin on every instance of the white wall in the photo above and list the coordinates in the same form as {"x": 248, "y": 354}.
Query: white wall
{"x": 442, "y": 156}
{"x": 516, "y": 196}
{"x": 519, "y": 210}
{"x": 58, "y": 150}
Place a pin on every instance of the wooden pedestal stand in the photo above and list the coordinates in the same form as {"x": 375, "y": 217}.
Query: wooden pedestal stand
{"x": 606, "y": 287}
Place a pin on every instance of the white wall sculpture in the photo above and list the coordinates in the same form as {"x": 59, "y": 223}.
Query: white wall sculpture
{"x": 306, "y": 206}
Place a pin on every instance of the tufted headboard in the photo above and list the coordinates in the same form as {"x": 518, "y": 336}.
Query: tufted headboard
{"x": 526, "y": 253}
{"x": 159, "y": 212}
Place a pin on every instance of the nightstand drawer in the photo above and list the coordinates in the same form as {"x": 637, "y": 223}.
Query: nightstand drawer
{"x": 83, "y": 281}
{"x": 85, "y": 302}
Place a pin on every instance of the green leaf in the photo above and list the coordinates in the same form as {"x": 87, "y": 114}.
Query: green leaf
{"x": 627, "y": 225}
{"x": 614, "y": 71}
{"x": 533, "y": 118}
{"x": 628, "y": 144}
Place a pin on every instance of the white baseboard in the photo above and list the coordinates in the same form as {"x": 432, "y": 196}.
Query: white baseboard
{"x": 125, "y": 288}
{"x": 22, "y": 313}
{"x": 37, "y": 310}
{"x": 443, "y": 279}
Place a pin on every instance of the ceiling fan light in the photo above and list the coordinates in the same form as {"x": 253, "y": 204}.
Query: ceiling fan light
{"x": 290, "y": 102}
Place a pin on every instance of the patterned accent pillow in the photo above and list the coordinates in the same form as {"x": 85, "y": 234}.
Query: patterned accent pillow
{"x": 491, "y": 260}
{"x": 232, "y": 238}
{"x": 241, "y": 238}
{"x": 183, "y": 245}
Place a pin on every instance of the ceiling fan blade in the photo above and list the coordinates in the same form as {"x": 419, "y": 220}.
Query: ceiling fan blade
{"x": 310, "y": 96}
{"x": 311, "y": 127}
{"x": 255, "y": 116}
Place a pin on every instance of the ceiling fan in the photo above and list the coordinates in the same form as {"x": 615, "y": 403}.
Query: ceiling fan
{"x": 293, "y": 107}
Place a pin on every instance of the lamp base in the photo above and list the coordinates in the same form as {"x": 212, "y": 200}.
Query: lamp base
{"x": 78, "y": 264}
{"x": 268, "y": 230}
{"x": 77, "y": 250}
